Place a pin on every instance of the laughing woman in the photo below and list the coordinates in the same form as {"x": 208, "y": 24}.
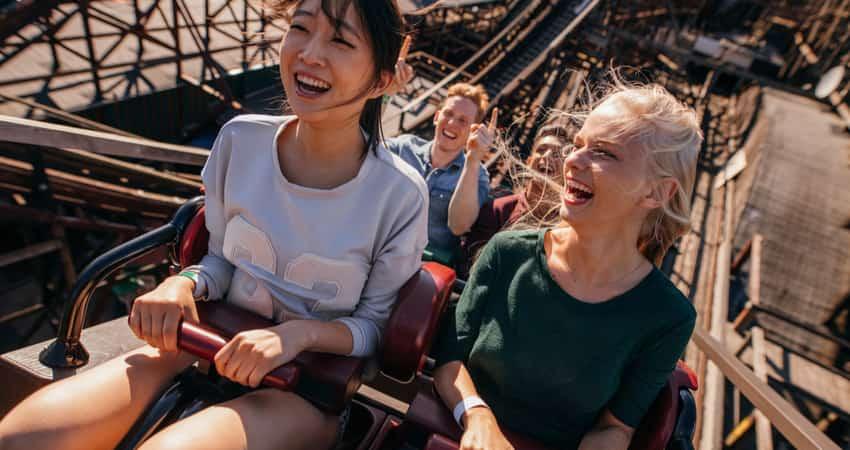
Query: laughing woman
{"x": 312, "y": 223}
{"x": 567, "y": 334}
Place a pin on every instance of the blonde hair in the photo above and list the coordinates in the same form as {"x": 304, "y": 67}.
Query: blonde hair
{"x": 475, "y": 93}
{"x": 669, "y": 131}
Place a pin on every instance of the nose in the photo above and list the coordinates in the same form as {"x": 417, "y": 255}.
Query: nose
{"x": 312, "y": 53}
{"x": 577, "y": 160}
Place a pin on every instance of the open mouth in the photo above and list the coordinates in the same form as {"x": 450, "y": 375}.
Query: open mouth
{"x": 449, "y": 135}
{"x": 546, "y": 167}
{"x": 310, "y": 86}
{"x": 577, "y": 193}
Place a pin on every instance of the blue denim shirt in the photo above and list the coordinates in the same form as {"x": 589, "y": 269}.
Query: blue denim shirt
{"x": 441, "y": 185}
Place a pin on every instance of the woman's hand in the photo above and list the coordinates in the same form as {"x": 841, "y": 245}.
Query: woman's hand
{"x": 483, "y": 432}
{"x": 403, "y": 72}
{"x": 251, "y": 355}
{"x": 403, "y": 75}
{"x": 156, "y": 315}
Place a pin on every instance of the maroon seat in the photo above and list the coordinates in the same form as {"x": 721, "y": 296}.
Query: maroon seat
{"x": 427, "y": 412}
{"x": 329, "y": 380}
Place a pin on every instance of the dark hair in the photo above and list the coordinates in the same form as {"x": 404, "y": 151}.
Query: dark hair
{"x": 383, "y": 25}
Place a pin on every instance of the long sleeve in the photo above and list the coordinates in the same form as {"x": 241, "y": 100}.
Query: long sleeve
{"x": 398, "y": 259}
{"x": 214, "y": 271}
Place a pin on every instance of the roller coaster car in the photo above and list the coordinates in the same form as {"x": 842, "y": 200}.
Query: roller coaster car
{"x": 329, "y": 381}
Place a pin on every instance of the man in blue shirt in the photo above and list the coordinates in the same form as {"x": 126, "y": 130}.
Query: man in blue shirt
{"x": 452, "y": 164}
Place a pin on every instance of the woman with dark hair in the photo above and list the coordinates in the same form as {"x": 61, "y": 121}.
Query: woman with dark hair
{"x": 567, "y": 334}
{"x": 312, "y": 224}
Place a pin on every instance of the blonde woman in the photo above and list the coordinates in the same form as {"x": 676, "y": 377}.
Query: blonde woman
{"x": 567, "y": 334}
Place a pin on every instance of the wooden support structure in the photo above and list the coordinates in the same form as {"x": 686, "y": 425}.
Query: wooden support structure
{"x": 712, "y": 422}
{"x": 795, "y": 427}
{"x": 213, "y": 92}
{"x": 764, "y": 436}
{"x": 29, "y": 252}
{"x": 25, "y": 131}
{"x": 69, "y": 117}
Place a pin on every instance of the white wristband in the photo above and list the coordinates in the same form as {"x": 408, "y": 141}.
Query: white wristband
{"x": 465, "y": 405}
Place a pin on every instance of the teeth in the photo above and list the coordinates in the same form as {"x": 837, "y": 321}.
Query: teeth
{"x": 313, "y": 82}
{"x": 449, "y": 135}
{"x": 579, "y": 186}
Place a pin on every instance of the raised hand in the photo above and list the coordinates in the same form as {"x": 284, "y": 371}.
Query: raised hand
{"x": 403, "y": 72}
{"x": 481, "y": 138}
{"x": 156, "y": 315}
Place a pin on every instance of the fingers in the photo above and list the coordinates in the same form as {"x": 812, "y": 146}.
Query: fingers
{"x": 222, "y": 358}
{"x": 248, "y": 363}
{"x": 258, "y": 373}
{"x": 136, "y": 321}
{"x": 154, "y": 324}
{"x": 405, "y": 47}
{"x": 494, "y": 119}
{"x": 170, "y": 324}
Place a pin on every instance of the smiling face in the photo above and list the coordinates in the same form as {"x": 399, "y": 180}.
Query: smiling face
{"x": 452, "y": 123}
{"x": 327, "y": 71}
{"x": 545, "y": 159}
{"x": 606, "y": 181}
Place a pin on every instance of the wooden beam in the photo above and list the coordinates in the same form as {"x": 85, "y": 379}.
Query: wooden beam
{"x": 7, "y": 259}
{"x": 739, "y": 431}
{"x": 213, "y": 92}
{"x": 712, "y": 428}
{"x": 745, "y": 318}
{"x": 26, "y": 131}
{"x": 69, "y": 117}
{"x": 796, "y": 428}
{"x": 764, "y": 436}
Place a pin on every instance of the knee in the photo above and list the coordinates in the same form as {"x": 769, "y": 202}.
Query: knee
{"x": 166, "y": 439}
{"x": 27, "y": 438}
{"x": 30, "y": 424}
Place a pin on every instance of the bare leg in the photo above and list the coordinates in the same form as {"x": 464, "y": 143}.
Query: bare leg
{"x": 264, "y": 419}
{"x": 92, "y": 410}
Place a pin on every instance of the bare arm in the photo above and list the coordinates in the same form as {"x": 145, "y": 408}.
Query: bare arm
{"x": 482, "y": 431}
{"x": 464, "y": 205}
{"x": 608, "y": 433}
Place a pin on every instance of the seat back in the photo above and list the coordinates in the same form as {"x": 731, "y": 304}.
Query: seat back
{"x": 657, "y": 426}
{"x": 410, "y": 329}
{"x": 193, "y": 243}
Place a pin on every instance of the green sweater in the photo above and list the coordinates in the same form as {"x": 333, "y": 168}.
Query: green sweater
{"x": 546, "y": 363}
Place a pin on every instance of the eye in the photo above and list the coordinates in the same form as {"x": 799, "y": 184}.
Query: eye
{"x": 602, "y": 152}
{"x": 339, "y": 40}
{"x": 297, "y": 27}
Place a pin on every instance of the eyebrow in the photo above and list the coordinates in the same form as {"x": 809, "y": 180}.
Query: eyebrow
{"x": 343, "y": 24}
{"x": 595, "y": 140}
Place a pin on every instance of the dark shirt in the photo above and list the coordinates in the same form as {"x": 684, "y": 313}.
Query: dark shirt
{"x": 441, "y": 185}
{"x": 547, "y": 363}
{"x": 494, "y": 216}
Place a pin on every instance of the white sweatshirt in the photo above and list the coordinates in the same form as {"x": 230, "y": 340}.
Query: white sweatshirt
{"x": 286, "y": 251}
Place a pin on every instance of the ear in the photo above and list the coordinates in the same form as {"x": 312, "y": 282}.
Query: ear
{"x": 384, "y": 82}
{"x": 437, "y": 115}
{"x": 661, "y": 191}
